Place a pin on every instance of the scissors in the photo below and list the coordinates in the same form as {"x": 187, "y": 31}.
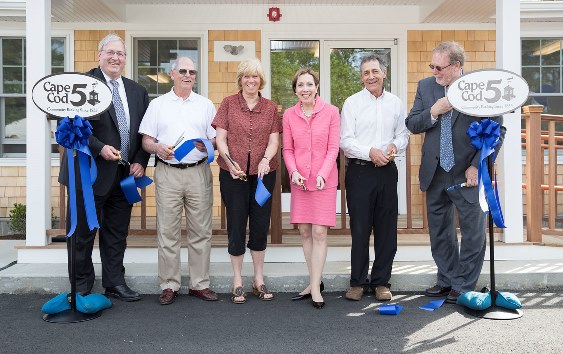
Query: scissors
{"x": 243, "y": 177}
{"x": 177, "y": 142}
{"x": 122, "y": 161}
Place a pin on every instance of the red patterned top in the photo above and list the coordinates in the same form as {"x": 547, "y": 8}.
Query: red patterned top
{"x": 248, "y": 130}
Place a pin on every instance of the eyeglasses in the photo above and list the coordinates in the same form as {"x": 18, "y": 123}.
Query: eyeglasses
{"x": 111, "y": 53}
{"x": 437, "y": 67}
{"x": 185, "y": 71}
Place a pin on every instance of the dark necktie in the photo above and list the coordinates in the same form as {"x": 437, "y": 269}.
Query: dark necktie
{"x": 446, "y": 144}
{"x": 121, "y": 121}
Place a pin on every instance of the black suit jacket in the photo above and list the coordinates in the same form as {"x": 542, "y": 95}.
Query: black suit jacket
{"x": 105, "y": 131}
{"x": 465, "y": 155}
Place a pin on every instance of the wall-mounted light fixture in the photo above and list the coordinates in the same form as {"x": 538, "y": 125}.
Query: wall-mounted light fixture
{"x": 233, "y": 49}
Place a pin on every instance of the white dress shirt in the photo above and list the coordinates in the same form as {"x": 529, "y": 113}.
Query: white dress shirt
{"x": 122, "y": 95}
{"x": 372, "y": 122}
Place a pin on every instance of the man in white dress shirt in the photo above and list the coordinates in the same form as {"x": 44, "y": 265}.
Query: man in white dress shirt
{"x": 372, "y": 133}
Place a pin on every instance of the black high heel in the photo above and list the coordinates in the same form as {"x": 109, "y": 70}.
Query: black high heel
{"x": 308, "y": 295}
{"x": 318, "y": 305}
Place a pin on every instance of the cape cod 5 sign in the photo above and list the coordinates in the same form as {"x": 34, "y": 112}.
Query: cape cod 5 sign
{"x": 488, "y": 92}
{"x": 71, "y": 94}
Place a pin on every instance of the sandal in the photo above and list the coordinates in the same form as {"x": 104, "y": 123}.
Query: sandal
{"x": 237, "y": 293}
{"x": 261, "y": 292}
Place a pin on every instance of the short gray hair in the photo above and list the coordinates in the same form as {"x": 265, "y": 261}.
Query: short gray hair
{"x": 112, "y": 37}
{"x": 454, "y": 49}
{"x": 374, "y": 57}
{"x": 179, "y": 59}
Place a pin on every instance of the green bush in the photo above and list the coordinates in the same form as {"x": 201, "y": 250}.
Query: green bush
{"x": 17, "y": 219}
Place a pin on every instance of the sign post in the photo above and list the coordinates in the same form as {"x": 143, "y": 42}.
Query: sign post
{"x": 489, "y": 93}
{"x": 73, "y": 97}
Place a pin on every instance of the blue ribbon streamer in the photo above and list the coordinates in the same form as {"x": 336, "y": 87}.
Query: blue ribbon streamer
{"x": 485, "y": 135}
{"x": 391, "y": 309}
{"x": 262, "y": 194}
{"x": 73, "y": 135}
{"x": 130, "y": 184}
{"x": 189, "y": 145}
{"x": 433, "y": 305}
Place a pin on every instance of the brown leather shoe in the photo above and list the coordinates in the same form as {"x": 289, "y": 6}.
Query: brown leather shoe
{"x": 204, "y": 294}
{"x": 167, "y": 297}
{"x": 355, "y": 293}
{"x": 452, "y": 296}
{"x": 437, "y": 291}
{"x": 383, "y": 293}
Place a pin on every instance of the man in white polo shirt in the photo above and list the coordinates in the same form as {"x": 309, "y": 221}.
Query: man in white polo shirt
{"x": 172, "y": 118}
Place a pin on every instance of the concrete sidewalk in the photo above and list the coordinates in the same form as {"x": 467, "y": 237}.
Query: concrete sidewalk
{"x": 516, "y": 274}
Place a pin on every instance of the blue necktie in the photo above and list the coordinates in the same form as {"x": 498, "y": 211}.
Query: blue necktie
{"x": 121, "y": 121}
{"x": 446, "y": 144}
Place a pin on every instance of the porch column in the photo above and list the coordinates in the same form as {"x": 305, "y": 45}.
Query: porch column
{"x": 508, "y": 57}
{"x": 38, "y": 164}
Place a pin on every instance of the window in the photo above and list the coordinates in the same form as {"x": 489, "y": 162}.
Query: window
{"x": 12, "y": 92}
{"x": 542, "y": 65}
{"x": 153, "y": 59}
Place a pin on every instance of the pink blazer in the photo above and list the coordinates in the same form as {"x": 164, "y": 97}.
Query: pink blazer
{"x": 312, "y": 147}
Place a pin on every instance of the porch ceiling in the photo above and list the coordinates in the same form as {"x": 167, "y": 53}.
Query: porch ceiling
{"x": 431, "y": 11}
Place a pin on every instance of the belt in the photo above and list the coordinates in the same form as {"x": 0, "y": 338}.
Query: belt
{"x": 360, "y": 162}
{"x": 182, "y": 165}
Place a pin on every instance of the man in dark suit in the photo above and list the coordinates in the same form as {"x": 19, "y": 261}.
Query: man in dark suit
{"x": 448, "y": 158}
{"x": 116, "y": 146}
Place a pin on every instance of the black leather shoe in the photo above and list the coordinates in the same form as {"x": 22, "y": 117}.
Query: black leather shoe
{"x": 452, "y": 296}
{"x": 306, "y": 296}
{"x": 318, "y": 305}
{"x": 437, "y": 291}
{"x": 122, "y": 292}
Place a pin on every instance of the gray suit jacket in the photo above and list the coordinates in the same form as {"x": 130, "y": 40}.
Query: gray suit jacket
{"x": 419, "y": 121}
{"x": 105, "y": 131}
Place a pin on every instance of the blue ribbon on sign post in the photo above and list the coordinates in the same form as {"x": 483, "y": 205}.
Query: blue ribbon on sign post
{"x": 73, "y": 135}
{"x": 485, "y": 135}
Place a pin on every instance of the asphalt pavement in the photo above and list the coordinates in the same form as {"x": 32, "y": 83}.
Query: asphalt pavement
{"x": 191, "y": 325}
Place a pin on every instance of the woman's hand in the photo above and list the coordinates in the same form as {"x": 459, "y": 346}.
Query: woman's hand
{"x": 297, "y": 179}
{"x": 235, "y": 171}
{"x": 263, "y": 168}
{"x": 320, "y": 183}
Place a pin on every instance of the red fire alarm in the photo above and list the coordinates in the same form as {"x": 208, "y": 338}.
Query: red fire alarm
{"x": 274, "y": 14}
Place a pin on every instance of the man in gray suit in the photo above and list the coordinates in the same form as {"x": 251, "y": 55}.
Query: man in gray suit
{"x": 448, "y": 158}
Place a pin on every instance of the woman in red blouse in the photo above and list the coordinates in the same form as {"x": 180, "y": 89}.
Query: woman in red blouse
{"x": 310, "y": 147}
{"x": 248, "y": 132}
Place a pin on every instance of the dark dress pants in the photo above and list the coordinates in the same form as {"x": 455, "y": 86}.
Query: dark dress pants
{"x": 371, "y": 194}
{"x": 114, "y": 215}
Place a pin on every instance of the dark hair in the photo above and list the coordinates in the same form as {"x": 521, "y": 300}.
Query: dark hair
{"x": 374, "y": 57}
{"x": 304, "y": 71}
{"x": 454, "y": 49}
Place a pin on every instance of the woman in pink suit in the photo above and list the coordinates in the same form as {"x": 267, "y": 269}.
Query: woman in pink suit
{"x": 310, "y": 147}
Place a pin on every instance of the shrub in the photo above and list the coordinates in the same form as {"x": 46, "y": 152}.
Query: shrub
{"x": 17, "y": 219}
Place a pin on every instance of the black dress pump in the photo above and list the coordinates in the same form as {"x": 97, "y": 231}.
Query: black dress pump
{"x": 308, "y": 295}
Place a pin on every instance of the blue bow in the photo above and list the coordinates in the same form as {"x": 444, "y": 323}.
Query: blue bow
{"x": 485, "y": 135}
{"x": 73, "y": 135}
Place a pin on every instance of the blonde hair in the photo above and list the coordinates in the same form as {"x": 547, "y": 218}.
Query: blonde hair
{"x": 250, "y": 67}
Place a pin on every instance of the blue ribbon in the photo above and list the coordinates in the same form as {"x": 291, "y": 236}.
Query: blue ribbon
{"x": 262, "y": 194}
{"x": 433, "y": 305}
{"x": 189, "y": 145}
{"x": 485, "y": 135}
{"x": 391, "y": 309}
{"x": 73, "y": 135}
{"x": 130, "y": 184}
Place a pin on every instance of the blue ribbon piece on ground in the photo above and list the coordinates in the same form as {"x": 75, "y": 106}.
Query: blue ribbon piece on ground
{"x": 433, "y": 305}
{"x": 73, "y": 135}
{"x": 262, "y": 194}
{"x": 485, "y": 135}
{"x": 189, "y": 145}
{"x": 130, "y": 184}
{"x": 391, "y": 309}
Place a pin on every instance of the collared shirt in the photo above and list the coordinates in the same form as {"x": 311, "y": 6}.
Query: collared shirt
{"x": 122, "y": 94}
{"x": 248, "y": 130}
{"x": 169, "y": 117}
{"x": 372, "y": 122}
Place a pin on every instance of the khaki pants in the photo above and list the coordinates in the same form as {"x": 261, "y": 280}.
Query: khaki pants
{"x": 189, "y": 189}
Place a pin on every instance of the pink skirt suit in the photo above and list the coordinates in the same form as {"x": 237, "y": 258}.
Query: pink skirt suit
{"x": 311, "y": 148}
